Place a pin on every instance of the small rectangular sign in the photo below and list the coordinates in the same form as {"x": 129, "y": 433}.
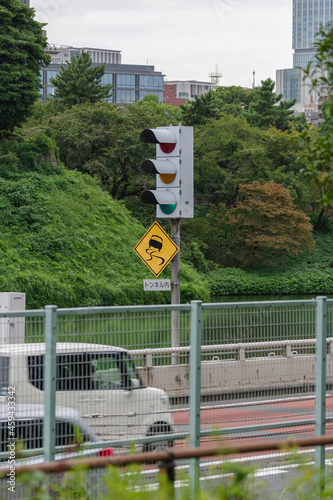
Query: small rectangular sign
{"x": 156, "y": 285}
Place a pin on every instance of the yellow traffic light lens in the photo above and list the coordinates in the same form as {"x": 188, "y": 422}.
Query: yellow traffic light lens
{"x": 167, "y": 178}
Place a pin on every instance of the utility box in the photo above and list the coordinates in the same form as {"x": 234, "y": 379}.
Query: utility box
{"x": 12, "y": 328}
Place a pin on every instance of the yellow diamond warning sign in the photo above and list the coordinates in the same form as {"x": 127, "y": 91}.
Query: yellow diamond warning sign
{"x": 156, "y": 249}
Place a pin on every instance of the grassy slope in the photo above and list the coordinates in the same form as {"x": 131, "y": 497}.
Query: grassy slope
{"x": 64, "y": 241}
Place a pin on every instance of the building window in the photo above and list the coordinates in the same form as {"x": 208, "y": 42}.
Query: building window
{"x": 50, "y": 91}
{"x": 74, "y": 53}
{"x": 127, "y": 96}
{"x": 107, "y": 78}
{"x": 126, "y": 81}
{"x": 143, "y": 93}
{"x": 183, "y": 95}
{"x": 50, "y": 74}
{"x": 150, "y": 82}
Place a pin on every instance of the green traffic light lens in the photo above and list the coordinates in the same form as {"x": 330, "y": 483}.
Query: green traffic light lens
{"x": 168, "y": 209}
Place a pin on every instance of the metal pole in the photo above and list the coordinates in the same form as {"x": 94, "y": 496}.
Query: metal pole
{"x": 320, "y": 416}
{"x": 195, "y": 390}
{"x": 175, "y": 290}
{"x": 167, "y": 475}
{"x": 50, "y": 381}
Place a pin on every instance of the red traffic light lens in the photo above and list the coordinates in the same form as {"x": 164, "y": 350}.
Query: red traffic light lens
{"x": 167, "y": 147}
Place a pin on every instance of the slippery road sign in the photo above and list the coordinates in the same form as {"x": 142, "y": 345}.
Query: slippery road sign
{"x": 156, "y": 249}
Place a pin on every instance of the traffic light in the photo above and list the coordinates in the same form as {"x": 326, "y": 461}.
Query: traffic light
{"x": 173, "y": 167}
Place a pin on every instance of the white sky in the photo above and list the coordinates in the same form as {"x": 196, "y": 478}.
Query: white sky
{"x": 184, "y": 39}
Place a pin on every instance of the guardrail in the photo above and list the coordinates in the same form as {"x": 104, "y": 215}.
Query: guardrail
{"x": 149, "y": 354}
{"x": 250, "y": 366}
{"x": 240, "y": 365}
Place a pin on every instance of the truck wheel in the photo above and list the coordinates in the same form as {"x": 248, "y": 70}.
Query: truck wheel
{"x": 158, "y": 428}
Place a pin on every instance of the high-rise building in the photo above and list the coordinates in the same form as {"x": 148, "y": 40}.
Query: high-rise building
{"x": 26, "y": 2}
{"x": 308, "y": 17}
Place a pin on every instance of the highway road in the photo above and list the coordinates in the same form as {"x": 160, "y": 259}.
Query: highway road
{"x": 242, "y": 422}
{"x": 282, "y": 417}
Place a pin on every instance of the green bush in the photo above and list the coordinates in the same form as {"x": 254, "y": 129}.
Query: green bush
{"x": 231, "y": 281}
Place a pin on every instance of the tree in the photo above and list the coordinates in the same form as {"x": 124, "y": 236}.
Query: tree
{"x": 158, "y": 110}
{"x": 233, "y": 100}
{"x": 266, "y": 225}
{"x": 229, "y": 152}
{"x": 266, "y": 110}
{"x": 224, "y": 100}
{"x": 103, "y": 140}
{"x": 200, "y": 110}
{"x": 22, "y": 55}
{"x": 80, "y": 83}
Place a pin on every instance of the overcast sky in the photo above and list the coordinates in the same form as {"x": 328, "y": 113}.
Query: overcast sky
{"x": 184, "y": 39}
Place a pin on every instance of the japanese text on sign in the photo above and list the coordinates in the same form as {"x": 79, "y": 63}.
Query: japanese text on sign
{"x": 155, "y": 285}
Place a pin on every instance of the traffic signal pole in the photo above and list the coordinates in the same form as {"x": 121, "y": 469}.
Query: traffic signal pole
{"x": 173, "y": 196}
{"x": 175, "y": 290}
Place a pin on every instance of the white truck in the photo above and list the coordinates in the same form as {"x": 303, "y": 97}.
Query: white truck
{"x": 99, "y": 381}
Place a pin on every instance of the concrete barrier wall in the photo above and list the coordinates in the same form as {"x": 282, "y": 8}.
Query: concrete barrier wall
{"x": 218, "y": 377}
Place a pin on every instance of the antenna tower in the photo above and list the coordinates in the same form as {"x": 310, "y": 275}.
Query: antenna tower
{"x": 215, "y": 78}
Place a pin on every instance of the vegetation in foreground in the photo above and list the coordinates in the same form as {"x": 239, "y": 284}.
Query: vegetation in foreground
{"x": 237, "y": 482}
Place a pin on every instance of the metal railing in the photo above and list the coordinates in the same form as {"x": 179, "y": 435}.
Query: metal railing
{"x": 165, "y": 460}
{"x": 243, "y": 336}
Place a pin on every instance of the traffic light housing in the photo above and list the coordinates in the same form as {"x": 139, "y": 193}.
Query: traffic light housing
{"x": 173, "y": 167}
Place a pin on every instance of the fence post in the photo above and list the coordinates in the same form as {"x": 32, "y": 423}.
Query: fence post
{"x": 195, "y": 390}
{"x": 320, "y": 416}
{"x": 50, "y": 382}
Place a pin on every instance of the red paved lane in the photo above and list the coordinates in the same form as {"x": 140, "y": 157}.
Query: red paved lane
{"x": 261, "y": 413}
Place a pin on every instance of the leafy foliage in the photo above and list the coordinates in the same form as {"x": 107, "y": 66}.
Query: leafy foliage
{"x": 301, "y": 274}
{"x": 214, "y": 104}
{"x": 237, "y": 481}
{"x": 263, "y": 110}
{"x": 200, "y": 110}
{"x": 21, "y": 56}
{"x": 65, "y": 241}
{"x": 233, "y": 100}
{"x": 79, "y": 82}
{"x": 233, "y": 281}
{"x": 266, "y": 224}
{"x": 229, "y": 152}
{"x": 102, "y": 140}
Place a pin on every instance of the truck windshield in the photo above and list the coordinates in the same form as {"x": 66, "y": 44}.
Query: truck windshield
{"x": 87, "y": 371}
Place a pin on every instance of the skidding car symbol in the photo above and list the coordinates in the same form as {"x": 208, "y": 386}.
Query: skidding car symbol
{"x": 155, "y": 245}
